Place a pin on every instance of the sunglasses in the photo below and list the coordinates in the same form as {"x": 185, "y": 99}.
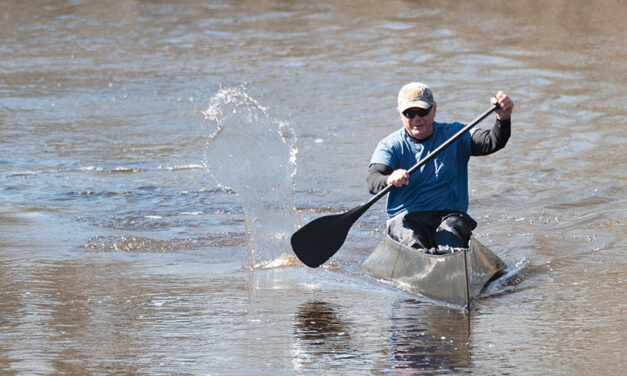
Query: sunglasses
{"x": 421, "y": 112}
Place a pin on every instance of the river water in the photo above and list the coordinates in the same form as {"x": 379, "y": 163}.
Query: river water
{"x": 155, "y": 157}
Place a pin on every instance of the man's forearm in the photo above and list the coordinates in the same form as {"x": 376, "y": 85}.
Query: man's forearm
{"x": 487, "y": 141}
{"x": 377, "y": 177}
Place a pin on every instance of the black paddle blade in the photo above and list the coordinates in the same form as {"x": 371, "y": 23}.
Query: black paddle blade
{"x": 321, "y": 238}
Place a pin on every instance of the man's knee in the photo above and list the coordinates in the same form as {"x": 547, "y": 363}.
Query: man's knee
{"x": 409, "y": 232}
{"x": 455, "y": 230}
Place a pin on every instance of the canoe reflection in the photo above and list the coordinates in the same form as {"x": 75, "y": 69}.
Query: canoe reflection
{"x": 421, "y": 338}
{"x": 427, "y": 337}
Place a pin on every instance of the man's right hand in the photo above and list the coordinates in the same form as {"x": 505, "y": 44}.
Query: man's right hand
{"x": 398, "y": 178}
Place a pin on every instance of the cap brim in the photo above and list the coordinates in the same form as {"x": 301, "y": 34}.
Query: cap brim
{"x": 418, "y": 104}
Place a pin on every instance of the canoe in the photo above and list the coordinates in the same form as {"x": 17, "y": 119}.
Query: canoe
{"x": 454, "y": 278}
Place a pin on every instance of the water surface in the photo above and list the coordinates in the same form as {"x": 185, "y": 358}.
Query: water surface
{"x": 124, "y": 248}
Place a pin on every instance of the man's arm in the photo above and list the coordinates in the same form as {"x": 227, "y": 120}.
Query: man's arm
{"x": 487, "y": 141}
{"x": 378, "y": 174}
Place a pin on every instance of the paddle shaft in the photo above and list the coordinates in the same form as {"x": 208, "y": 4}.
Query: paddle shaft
{"x": 432, "y": 155}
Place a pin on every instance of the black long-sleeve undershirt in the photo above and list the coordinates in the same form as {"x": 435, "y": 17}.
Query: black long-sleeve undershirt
{"x": 483, "y": 142}
{"x": 488, "y": 141}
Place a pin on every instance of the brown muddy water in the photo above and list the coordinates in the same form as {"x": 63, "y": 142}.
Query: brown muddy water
{"x": 155, "y": 156}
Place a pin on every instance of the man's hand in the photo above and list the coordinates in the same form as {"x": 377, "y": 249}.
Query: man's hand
{"x": 398, "y": 178}
{"x": 507, "y": 105}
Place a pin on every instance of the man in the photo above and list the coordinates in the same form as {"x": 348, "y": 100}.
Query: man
{"x": 428, "y": 209}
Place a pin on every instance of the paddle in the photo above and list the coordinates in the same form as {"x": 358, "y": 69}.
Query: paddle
{"x": 321, "y": 238}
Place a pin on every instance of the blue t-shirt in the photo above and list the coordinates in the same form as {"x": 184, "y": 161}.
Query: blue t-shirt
{"x": 441, "y": 184}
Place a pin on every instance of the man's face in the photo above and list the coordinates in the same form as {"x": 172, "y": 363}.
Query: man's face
{"x": 419, "y": 127}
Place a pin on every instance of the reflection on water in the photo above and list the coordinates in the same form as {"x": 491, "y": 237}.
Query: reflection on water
{"x": 418, "y": 338}
{"x": 431, "y": 339}
{"x": 322, "y": 335}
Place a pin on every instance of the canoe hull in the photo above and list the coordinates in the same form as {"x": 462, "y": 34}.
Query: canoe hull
{"x": 453, "y": 278}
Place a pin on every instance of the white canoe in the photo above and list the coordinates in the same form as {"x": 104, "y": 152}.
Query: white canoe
{"x": 454, "y": 278}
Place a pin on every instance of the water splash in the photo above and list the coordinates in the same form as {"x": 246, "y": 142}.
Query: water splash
{"x": 253, "y": 153}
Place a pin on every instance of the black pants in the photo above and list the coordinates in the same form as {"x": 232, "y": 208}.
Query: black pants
{"x": 433, "y": 229}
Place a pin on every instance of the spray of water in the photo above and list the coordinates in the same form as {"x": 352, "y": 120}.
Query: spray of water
{"x": 253, "y": 153}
